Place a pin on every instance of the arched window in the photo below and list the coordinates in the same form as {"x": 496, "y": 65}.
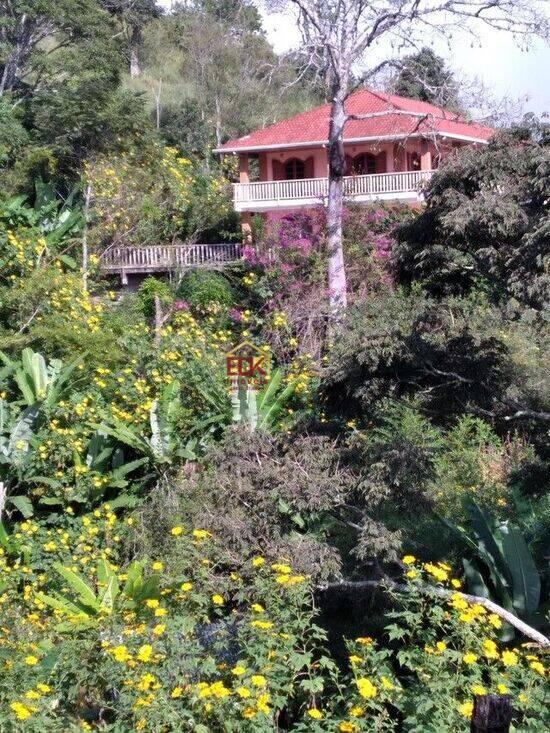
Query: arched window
{"x": 294, "y": 169}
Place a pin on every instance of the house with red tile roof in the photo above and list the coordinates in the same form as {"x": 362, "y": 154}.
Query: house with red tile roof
{"x": 392, "y": 146}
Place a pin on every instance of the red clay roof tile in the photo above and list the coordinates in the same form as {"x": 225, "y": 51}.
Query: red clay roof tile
{"x": 391, "y": 120}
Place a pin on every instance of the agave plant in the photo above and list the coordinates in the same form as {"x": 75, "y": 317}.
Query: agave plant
{"x": 501, "y": 566}
{"x": 163, "y": 443}
{"x": 261, "y": 410}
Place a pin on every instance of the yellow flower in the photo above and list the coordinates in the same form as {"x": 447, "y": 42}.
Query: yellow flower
{"x": 412, "y": 574}
{"x": 176, "y": 692}
{"x": 262, "y": 624}
{"x": 537, "y": 667}
{"x": 281, "y": 568}
{"x": 144, "y": 653}
{"x": 258, "y": 680}
{"x": 257, "y": 562}
{"x": 346, "y": 726}
{"x": 365, "y": 640}
{"x": 31, "y": 660}
{"x": 43, "y": 688}
{"x": 238, "y": 670}
{"x": 243, "y": 692}
{"x": 185, "y": 587}
{"x": 176, "y": 531}
{"x": 509, "y": 659}
{"x": 494, "y": 620}
{"x": 120, "y": 653}
{"x": 354, "y": 659}
{"x": 159, "y": 629}
{"x": 386, "y": 683}
{"x": 158, "y": 566}
{"x": 261, "y": 703}
{"x": 152, "y": 603}
{"x": 478, "y": 690}
{"x": 201, "y": 534}
{"x": 365, "y": 687}
{"x": 282, "y": 579}
{"x": 502, "y": 689}
{"x": 466, "y": 709}
{"x": 22, "y": 712}
{"x": 490, "y": 649}
{"x": 409, "y": 559}
{"x": 217, "y": 599}
{"x": 456, "y": 583}
{"x": 440, "y": 646}
{"x": 160, "y": 612}
{"x": 436, "y": 572}
{"x": 469, "y": 658}
{"x": 257, "y": 608}
{"x": 356, "y": 711}
{"x": 315, "y": 714}
{"x": 32, "y": 695}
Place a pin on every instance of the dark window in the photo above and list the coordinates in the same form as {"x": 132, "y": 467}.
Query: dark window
{"x": 363, "y": 164}
{"x": 294, "y": 168}
{"x": 414, "y": 162}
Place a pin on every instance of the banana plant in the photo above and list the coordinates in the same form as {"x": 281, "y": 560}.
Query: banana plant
{"x": 501, "y": 566}
{"x": 85, "y": 602}
{"x": 37, "y": 380}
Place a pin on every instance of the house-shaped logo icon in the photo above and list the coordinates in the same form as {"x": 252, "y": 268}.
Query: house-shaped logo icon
{"x": 248, "y": 362}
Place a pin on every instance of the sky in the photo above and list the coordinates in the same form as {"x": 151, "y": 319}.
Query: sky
{"x": 495, "y": 60}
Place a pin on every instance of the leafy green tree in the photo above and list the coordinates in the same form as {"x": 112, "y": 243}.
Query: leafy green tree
{"x": 425, "y": 76}
{"x": 485, "y": 225}
{"x": 131, "y": 16}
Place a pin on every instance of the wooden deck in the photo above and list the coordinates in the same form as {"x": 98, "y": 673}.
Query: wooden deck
{"x": 126, "y": 261}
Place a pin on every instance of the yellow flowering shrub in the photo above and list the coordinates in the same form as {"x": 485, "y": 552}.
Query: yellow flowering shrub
{"x": 89, "y": 639}
{"x": 151, "y": 195}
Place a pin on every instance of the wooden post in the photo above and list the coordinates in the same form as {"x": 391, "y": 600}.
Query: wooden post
{"x": 492, "y": 714}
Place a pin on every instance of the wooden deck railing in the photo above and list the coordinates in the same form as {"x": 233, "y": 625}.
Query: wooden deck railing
{"x": 267, "y": 194}
{"x": 163, "y": 258}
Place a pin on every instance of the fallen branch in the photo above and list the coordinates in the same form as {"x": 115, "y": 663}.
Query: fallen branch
{"x": 491, "y": 606}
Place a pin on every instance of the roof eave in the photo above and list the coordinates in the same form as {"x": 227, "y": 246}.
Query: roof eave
{"x": 323, "y": 143}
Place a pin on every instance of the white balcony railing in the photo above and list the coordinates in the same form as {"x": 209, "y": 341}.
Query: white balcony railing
{"x": 266, "y": 195}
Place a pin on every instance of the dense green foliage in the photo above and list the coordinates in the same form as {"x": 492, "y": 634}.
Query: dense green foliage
{"x": 178, "y": 555}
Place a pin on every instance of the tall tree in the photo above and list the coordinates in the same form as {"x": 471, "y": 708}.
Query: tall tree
{"x": 340, "y": 34}
{"x": 425, "y": 76}
{"x": 131, "y": 16}
{"x": 26, "y": 25}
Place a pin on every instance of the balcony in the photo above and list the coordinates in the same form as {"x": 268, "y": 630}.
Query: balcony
{"x": 403, "y": 186}
{"x": 129, "y": 260}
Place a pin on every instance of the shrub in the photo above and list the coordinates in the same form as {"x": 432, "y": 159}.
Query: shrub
{"x": 206, "y": 291}
{"x": 91, "y": 640}
{"x": 150, "y": 288}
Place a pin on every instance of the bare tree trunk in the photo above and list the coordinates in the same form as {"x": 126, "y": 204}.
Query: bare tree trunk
{"x": 218, "y": 123}
{"x": 336, "y": 170}
{"x": 87, "y": 198}
{"x": 158, "y": 93}
{"x": 135, "y": 41}
{"x": 159, "y": 320}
